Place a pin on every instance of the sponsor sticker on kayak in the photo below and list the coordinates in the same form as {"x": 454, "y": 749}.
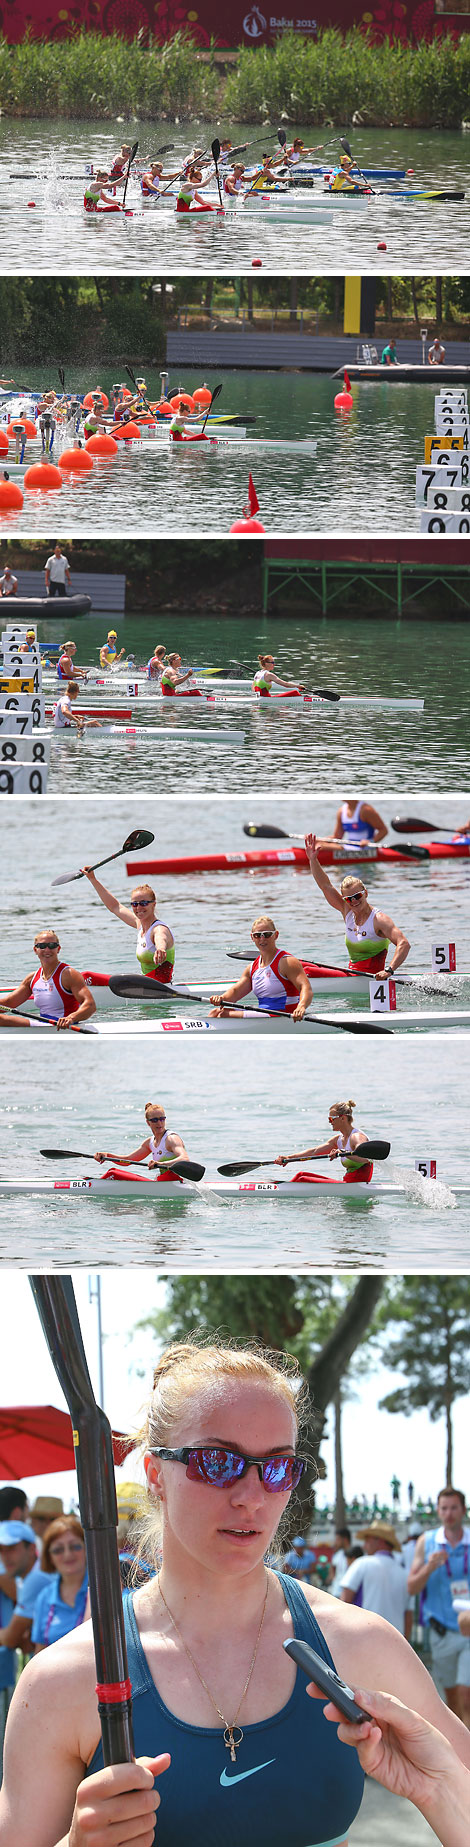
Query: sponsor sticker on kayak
{"x": 258, "y": 1186}
{"x": 185, "y": 1026}
{"x": 70, "y": 1186}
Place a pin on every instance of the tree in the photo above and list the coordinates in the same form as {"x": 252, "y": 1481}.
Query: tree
{"x": 432, "y": 1348}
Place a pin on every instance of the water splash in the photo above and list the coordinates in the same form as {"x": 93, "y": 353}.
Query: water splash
{"x": 420, "y": 1191}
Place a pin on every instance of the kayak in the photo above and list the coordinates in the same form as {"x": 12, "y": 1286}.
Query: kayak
{"x": 260, "y": 1022}
{"x": 294, "y": 856}
{"x": 124, "y": 1184}
{"x": 324, "y": 981}
{"x": 239, "y": 700}
{"x": 202, "y": 736}
{"x": 33, "y": 608}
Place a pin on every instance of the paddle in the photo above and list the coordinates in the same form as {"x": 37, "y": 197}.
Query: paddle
{"x": 132, "y": 156}
{"x": 369, "y": 1151}
{"x": 139, "y": 838}
{"x": 141, "y": 987}
{"x": 265, "y": 832}
{"x": 327, "y": 968}
{"x": 189, "y": 1170}
{"x": 15, "y": 1013}
{"x": 140, "y": 393}
{"x": 93, "y": 1449}
{"x": 215, "y": 395}
{"x": 347, "y": 150}
{"x": 215, "y": 151}
{"x": 412, "y": 825}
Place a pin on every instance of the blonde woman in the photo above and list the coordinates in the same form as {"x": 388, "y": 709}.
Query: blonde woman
{"x": 343, "y": 1144}
{"x": 277, "y": 979}
{"x": 266, "y": 676}
{"x": 243, "y": 1754}
{"x": 159, "y": 1145}
{"x": 369, "y": 932}
{"x": 155, "y": 946}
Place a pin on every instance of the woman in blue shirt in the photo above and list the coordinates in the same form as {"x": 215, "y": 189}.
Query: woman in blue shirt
{"x": 61, "y": 1605}
{"x": 221, "y": 1717}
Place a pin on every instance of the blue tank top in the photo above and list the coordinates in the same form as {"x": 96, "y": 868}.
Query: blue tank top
{"x": 436, "y": 1599}
{"x": 308, "y": 1786}
{"x": 353, "y": 827}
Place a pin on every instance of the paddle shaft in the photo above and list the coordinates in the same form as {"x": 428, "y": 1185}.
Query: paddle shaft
{"x": 55, "y": 1303}
{"x": 136, "y": 989}
{"x": 132, "y": 156}
{"x": 68, "y": 878}
{"x": 267, "y": 832}
{"x": 367, "y": 1151}
{"x": 191, "y": 1170}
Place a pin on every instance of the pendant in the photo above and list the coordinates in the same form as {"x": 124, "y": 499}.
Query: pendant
{"x": 232, "y": 1740}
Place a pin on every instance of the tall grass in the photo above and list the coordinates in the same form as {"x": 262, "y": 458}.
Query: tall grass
{"x": 91, "y": 76}
{"x": 390, "y": 85}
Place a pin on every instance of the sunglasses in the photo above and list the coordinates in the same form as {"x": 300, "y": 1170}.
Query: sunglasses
{"x": 355, "y": 896}
{"x": 221, "y": 1467}
{"x": 64, "y": 1551}
{"x": 140, "y": 904}
{"x": 161, "y": 1118}
{"x": 262, "y": 936}
{"x": 48, "y": 945}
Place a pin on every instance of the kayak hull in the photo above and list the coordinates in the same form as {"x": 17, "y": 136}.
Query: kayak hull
{"x": 293, "y": 856}
{"x": 259, "y": 1022}
{"x": 136, "y": 1186}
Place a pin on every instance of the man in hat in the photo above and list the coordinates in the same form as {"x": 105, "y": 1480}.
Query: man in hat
{"x": 19, "y": 1550}
{"x": 45, "y": 1508}
{"x": 378, "y": 1581}
{"x": 440, "y": 1575}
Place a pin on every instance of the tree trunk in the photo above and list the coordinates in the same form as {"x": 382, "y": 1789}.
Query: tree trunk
{"x": 415, "y": 299}
{"x": 324, "y": 1379}
{"x": 209, "y": 290}
{"x": 249, "y": 292}
{"x": 448, "y": 1408}
{"x": 340, "y": 1509}
{"x": 389, "y": 300}
{"x": 294, "y": 297}
{"x": 439, "y": 301}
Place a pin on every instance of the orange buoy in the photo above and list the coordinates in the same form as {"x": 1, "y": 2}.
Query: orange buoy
{"x": 344, "y": 399}
{"x": 124, "y": 431}
{"x": 3, "y": 443}
{"x": 75, "y": 461}
{"x": 202, "y": 396}
{"x": 88, "y": 401}
{"x": 43, "y": 475}
{"x": 247, "y": 525}
{"x": 26, "y": 424}
{"x": 163, "y": 409}
{"x": 10, "y": 495}
{"x": 183, "y": 397}
{"x": 101, "y": 445}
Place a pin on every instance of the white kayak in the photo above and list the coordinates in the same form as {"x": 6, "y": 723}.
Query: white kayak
{"x": 125, "y": 1184}
{"x": 258, "y": 1022}
{"x": 221, "y": 739}
{"x": 221, "y": 691}
{"x": 339, "y": 985}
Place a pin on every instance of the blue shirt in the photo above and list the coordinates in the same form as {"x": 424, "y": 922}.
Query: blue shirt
{"x": 301, "y": 1562}
{"x": 53, "y": 1618}
{"x": 293, "y": 1783}
{"x": 7, "y": 1655}
{"x": 29, "y": 1589}
{"x": 436, "y": 1599}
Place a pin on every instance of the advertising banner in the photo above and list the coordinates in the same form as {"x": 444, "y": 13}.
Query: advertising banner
{"x": 239, "y": 23}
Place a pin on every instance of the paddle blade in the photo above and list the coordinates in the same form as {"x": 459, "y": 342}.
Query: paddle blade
{"x": 139, "y": 838}
{"x": 188, "y": 1170}
{"x": 282, "y": 137}
{"x": 324, "y": 692}
{"x": 66, "y": 878}
{"x": 411, "y": 825}
{"x": 231, "y": 1169}
{"x": 411, "y": 852}
{"x": 345, "y": 145}
{"x": 215, "y": 150}
{"x": 65, "y": 1154}
{"x": 373, "y": 1151}
{"x": 264, "y": 831}
{"x": 137, "y": 987}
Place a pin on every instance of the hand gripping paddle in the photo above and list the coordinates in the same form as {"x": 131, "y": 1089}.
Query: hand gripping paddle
{"x": 140, "y": 838}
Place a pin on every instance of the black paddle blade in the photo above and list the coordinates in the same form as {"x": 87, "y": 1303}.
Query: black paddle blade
{"x": 231, "y": 1169}
{"x": 409, "y": 851}
{"x": 264, "y": 831}
{"x": 215, "y": 150}
{"x": 282, "y": 137}
{"x": 345, "y": 145}
{"x": 324, "y": 692}
{"x": 411, "y": 825}
{"x": 136, "y": 987}
{"x": 139, "y": 838}
{"x": 188, "y": 1170}
{"x": 373, "y": 1151}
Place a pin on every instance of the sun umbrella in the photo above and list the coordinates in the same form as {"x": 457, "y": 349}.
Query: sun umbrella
{"x": 37, "y": 1440}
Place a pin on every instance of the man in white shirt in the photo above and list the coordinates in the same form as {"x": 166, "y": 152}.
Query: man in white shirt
{"x": 378, "y": 1581}
{"x": 8, "y": 583}
{"x": 57, "y": 572}
{"x": 339, "y": 1563}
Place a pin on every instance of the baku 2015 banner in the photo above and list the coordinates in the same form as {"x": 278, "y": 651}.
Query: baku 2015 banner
{"x": 243, "y": 23}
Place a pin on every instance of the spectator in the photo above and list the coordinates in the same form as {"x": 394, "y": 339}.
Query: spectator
{"x": 408, "y": 1552}
{"x": 440, "y": 1572}
{"x": 8, "y": 583}
{"x": 45, "y": 1508}
{"x": 301, "y": 1560}
{"x": 437, "y": 353}
{"x": 61, "y": 1605}
{"x": 378, "y": 1580}
{"x": 13, "y": 1503}
{"x": 17, "y": 1557}
{"x": 339, "y": 1559}
{"x": 57, "y": 571}
{"x": 389, "y": 354}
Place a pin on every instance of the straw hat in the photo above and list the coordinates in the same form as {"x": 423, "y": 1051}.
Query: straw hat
{"x": 47, "y": 1506}
{"x": 380, "y": 1529}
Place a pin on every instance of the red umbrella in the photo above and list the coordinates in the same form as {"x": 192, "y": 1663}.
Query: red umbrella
{"x": 37, "y": 1440}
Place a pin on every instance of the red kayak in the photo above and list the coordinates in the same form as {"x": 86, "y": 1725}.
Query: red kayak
{"x": 292, "y": 856}
{"x": 94, "y": 711}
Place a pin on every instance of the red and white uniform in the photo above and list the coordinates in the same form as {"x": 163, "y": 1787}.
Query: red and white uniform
{"x": 50, "y": 996}
{"x": 272, "y": 989}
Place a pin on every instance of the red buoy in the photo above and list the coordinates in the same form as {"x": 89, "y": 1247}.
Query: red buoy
{"x": 101, "y": 445}
{"x": 344, "y": 399}
{"x": 124, "y": 431}
{"x": 88, "y": 401}
{"x": 10, "y": 495}
{"x": 75, "y": 461}
{"x": 247, "y": 525}
{"x": 26, "y": 424}
{"x": 43, "y": 475}
{"x": 3, "y": 443}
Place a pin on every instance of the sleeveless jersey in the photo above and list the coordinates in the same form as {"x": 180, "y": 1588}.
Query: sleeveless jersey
{"x": 353, "y": 827}
{"x": 362, "y": 944}
{"x": 154, "y": 669}
{"x": 293, "y": 1784}
{"x": 62, "y": 720}
{"x": 60, "y": 674}
{"x": 436, "y": 1599}
{"x": 262, "y": 684}
{"x": 347, "y": 1159}
{"x": 272, "y": 989}
{"x": 145, "y": 951}
{"x": 50, "y": 996}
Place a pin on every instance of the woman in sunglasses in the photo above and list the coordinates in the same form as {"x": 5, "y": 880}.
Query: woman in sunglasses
{"x": 369, "y": 932}
{"x": 265, "y": 676}
{"x": 278, "y": 979}
{"x": 61, "y": 1605}
{"x": 243, "y": 1754}
{"x": 155, "y": 946}
{"x": 160, "y": 1145}
{"x": 344, "y": 1144}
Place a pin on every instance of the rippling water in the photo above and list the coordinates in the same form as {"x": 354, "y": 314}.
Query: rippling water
{"x": 362, "y": 477}
{"x": 228, "y": 1106}
{"x": 57, "y": 235}
{"x": 309, "y": 749}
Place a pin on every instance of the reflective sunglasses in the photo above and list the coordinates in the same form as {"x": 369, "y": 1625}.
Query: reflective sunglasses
{"x": 221, "y": 1467}
{"x": 140, "y": 904}
{"x": 50, "y": 944}
{"x": 262, "y": 936}
{"x": 355, "y": 896}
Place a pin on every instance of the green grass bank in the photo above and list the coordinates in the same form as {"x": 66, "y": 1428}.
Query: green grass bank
{"x": 337, "y": 80}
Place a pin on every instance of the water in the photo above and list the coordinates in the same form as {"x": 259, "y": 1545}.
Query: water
{"x": 211, "y": 912}
{"x": 58, "y": 236}
{"x": 362, "y": 477}
{"x": 294, "y": 749}
{"x": 227, "y": 1106}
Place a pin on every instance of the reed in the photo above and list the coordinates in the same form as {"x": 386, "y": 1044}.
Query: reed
{"x": 90, "y": 76}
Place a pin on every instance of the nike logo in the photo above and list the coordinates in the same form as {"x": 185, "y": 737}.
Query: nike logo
{"x": 226, "y": 1781}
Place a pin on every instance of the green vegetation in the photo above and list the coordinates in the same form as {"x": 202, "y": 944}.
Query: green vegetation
{"x": 80, "y": 320}
{"x": 330, "y": 81}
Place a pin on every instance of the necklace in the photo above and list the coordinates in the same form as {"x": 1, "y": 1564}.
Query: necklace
{"x": 233, "y": 1734}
